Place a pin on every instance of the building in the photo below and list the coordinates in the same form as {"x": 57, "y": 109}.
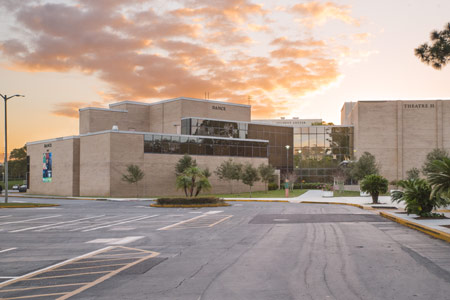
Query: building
{"x": 398, "y": 133}
{"x": 147, "y": 134}
{"x": 156, "y": 135}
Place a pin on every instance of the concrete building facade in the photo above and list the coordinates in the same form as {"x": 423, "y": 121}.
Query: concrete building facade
{"x": 398, "y": 133}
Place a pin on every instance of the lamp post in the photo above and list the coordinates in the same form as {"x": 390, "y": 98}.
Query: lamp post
{"x": 6, "y": 98}
{"x": 286, "y": 184}
{"x": 300, "y": 167}
{"x": 287, "y": 157}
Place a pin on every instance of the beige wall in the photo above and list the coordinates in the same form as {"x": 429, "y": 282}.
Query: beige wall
{"x": 64, "y": 177}
{"x": 400, "y": 133}
{"x": 95, "y": 165}
{"x": 93, "y": 120}
{"x": 105, "y": 157}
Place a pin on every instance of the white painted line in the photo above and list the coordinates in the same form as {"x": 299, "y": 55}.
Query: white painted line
{"x": 109, "y": 222}
{"x": 5, "y": 216}
{"x": 7, "y": 277}
{"x": 126, "y": 240}
{"x": 195, "y": 212}
{"x": 6, "y": 250}
{"x": 28, "y": 220}
{"x": 280, "y": 220}
{"x": 55, "y": 265}
{"x": 182, "y": 222}
{"x": 213, "y": 212}
{"x": 102, "y": 241}
{"x": 59, "y": 223}
{"x": 120, "y": 223}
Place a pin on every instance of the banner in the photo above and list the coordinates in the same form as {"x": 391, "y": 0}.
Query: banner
{"x": 47, "y": 167}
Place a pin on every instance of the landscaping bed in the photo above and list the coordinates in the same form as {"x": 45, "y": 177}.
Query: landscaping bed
{"x": 190, "y": 202}
{"x": 25, "y": 205}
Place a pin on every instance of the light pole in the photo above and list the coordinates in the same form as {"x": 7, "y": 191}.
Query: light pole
{"x": 6, "y": 98}
{"x": 300, "y": 167}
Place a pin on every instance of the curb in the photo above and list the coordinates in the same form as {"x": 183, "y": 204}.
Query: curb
{"x": 247, "y": 200}
{"x": 339, "y": 203}
{"x": 29, "y": 206}
{"x": 425, "y": 229}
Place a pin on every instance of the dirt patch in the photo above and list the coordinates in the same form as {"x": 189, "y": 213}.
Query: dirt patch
{"x": 430, "y": 218}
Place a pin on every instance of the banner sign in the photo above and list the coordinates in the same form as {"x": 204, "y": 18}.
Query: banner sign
{"x": 47, "y": 167}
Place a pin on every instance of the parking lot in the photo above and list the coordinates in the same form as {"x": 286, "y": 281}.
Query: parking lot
{"x": 128, "y": 250}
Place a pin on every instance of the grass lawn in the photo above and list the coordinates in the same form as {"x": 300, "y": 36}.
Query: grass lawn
{"x": 25, "y": 205}
{"x": 351, "y": 194}
{"x": 269, "y": 194}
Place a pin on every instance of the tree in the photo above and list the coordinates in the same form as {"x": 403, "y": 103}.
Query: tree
{"x": 438, "y": 53}
{"x": 418, "y": 198}
{"x": 249, "y": 176}
{"x": 193, "y": 180}
{"x": 133, "y": 176}
{"x": 412, "y": 173}
{"x": 267, "y": 173}
{"x": 435, "y": 154}
{"x": 292, "y": 178}
{"x": 366, "y": 165}
{"x": 17, "y": 164}
{"x": 229, "y": 171}
{"x": 185, "y": 162}
{"x": 440, "y": 178}
{"x": 374, "y": 185}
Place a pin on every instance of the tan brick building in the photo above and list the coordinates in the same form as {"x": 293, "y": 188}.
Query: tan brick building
{"x": 398, "y": 133}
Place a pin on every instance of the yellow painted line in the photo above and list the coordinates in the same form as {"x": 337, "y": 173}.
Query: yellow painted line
{"x": 137, "y": 250}
{"x": 220, "y": 221}
{"x": 43, "y": 287}
{"x": 72, "y": 260}
{"x": 425, "y": 229}
{"x": 443, "y": 210}
{"x": 107, "y": 276}
{"x": 34, "y": 296}
{"x": 102, "y": 260}
{"x": 101, "y": 266}
{"x": 338, "y": 203}
{"x": 61, "y": 276}
{"x": 182, "y": 222}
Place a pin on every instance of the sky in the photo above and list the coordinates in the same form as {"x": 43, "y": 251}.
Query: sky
{"x": 286, "y": 58}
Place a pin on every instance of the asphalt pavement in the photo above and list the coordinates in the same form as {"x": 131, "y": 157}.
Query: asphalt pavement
{"x": 128, "y": 250}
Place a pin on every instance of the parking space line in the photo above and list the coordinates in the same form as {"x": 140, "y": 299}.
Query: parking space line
{"x": 28, "y": 220}
{"x": 59, "y": 223}
{"x": 34, "y": 296}
{"x": 120, "y": 223}
{"x": 54, "y": 266}
{"x": 5, "y": 216}
{"x": 45, "y": 278}
{"x": 6, "y": 250}
{"x": 106, "y": 223}
{"x": 93, "y": 267}
{"x": 42, "y": 287}
{"x": 220, "y": 221}
{"x": 102, "y": 260}
{"x": 182, "y": 222}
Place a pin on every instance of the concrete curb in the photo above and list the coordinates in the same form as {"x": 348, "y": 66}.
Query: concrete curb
{"x": 339, "y": 203}
{"x": 248, "y": 200}
{"x": 425, "y": 229}
{"x": 29, "y": 206}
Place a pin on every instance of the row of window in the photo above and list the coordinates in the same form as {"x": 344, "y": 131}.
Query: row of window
{"x": 167, "y": 144}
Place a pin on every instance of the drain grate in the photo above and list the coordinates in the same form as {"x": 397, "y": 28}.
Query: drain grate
{"x": 314, "y": 218}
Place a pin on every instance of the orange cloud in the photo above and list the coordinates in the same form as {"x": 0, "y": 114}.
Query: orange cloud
{"x": 147, "y": 54}
{"x": 317, "y": 13}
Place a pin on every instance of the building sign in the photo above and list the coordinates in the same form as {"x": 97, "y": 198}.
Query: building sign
{"x": 47, "y": 167}
{"x": 216, "y": 107}
{"x": 423, "y": 105}
{"x": 47, "y": 145}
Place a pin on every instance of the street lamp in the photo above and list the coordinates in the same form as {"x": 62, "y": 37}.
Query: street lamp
{"x": 287, "y": 158}
{"x": 6, "y": 98}
{"x": 300, "y": 167}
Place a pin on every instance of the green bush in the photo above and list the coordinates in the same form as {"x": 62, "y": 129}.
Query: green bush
{"x": 189, "y": 201}
{"x": 374, "y": 185}
{"x": 418, "y": 197}
{"x": 308, "y": 185}
{"x": 273, "y": 186}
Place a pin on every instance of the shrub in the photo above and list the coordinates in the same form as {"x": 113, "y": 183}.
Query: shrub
{"x": 189, "y": 201}
{"x": 417, "y": 197}
{"x": 440, "y": 177}
{"x": 309, "y": 185}
{"x": 374, "y": 185}
{"x": 273, "y": 186}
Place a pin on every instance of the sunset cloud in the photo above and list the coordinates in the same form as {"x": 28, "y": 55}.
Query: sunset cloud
{"x": 318, "y": 13}
{"x": 185, "y": 50}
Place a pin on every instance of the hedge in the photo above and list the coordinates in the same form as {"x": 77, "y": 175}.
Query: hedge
{"x": 189, "y": 201}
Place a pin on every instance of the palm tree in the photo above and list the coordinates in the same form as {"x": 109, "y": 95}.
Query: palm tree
{"x": 418, "y": 197}
{"x": 440, "y": 177}
{"x": 193, "y": 180}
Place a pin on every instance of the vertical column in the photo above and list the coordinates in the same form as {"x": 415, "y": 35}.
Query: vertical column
{"x": 399, "y": 140}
